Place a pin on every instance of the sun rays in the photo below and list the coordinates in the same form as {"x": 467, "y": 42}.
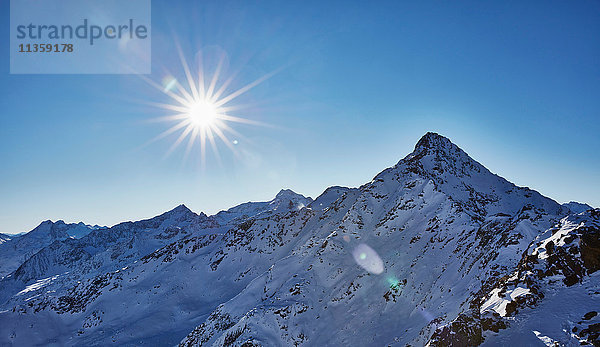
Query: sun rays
{"x": 201, "y": 108}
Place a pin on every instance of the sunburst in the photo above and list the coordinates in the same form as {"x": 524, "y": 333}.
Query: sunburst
{"x": 202, "y": 109}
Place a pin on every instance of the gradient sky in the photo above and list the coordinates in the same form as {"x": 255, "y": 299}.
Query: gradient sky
{"x": 515, "y": 84}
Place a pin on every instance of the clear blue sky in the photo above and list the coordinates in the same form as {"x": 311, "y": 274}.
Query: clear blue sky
{"x": 515, "y": 84}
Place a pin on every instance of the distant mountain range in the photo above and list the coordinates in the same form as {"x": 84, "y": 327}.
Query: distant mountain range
{"x": 436, "y": 250}
{"x": 15, "y": 249}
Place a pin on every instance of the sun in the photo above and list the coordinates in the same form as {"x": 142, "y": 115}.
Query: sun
{"x": 202, "y": 108}
{"x": 202, "y": 114}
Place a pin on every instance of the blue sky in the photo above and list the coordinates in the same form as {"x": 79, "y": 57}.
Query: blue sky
{"x": 514, "y": 84}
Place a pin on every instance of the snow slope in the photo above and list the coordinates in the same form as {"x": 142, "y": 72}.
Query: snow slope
{"x": 4, "y": 238}
{"x": 560, "y": 300}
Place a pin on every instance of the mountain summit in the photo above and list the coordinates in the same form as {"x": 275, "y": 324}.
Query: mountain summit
{"x": 288, "y": 199}
{"x": 433, "y": 140}
{"x": 435, "y": 250}
{"x": 454, "y": 172}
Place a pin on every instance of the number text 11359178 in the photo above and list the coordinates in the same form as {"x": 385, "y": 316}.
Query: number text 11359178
{"x": 45, "y": 47}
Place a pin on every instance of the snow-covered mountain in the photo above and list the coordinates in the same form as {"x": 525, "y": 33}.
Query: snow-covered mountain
{"x": 105, "y": 249}
{"x": 285, "y": 201}
{"x": 577, "y": 207}
{"x": 15, "y": 250}
{"x": 434, "y": 250}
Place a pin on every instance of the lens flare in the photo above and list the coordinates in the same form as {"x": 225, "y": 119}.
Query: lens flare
{"x": 368, "y": 259}
{"x": 393, "y": 282}
{"x": 169, "y": 83}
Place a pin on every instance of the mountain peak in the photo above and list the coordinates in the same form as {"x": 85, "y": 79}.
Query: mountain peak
{"x": 289, "y": 199}
{"x": 453, "y": 172}
{"x": 180, "y": 211}
{"x": 577, "y": 207}
{"x": 285, "y": 193}
{"x": 436, "y": 152}
{"x": 48, "y": 228}
{"x": 431, "y": 139}
{"x": 290, "y": 195}
{"x": 181, "y": 208}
